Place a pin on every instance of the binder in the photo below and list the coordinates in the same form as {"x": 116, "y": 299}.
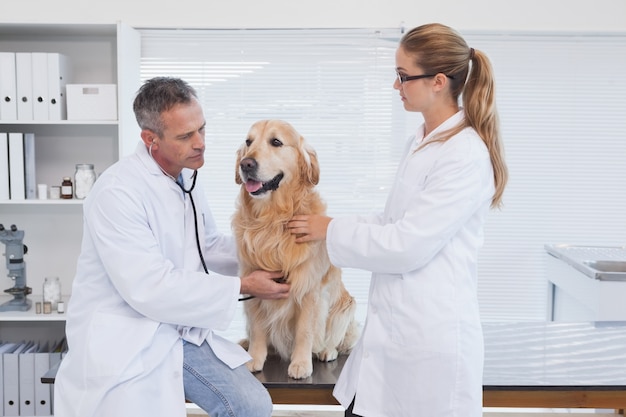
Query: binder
{"x": 10, "y": 382}
{"x": 40, "y": 85}
{"x": 4, "y": 167}
{"x": 4, "y": 347}
{"x": 8, "y": 106}
{"x": 16, "y": 166}
{"x": 24, "y": 81}
{"x": 57, "y": 79}
{"x": 26, "y": 384}
{"x": 30, "y": 180}
{"x": 42, "y": 391}
{"x": 55, "y": 358}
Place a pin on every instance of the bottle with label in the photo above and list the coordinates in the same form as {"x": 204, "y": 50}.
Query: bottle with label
{"x": 67, "y": 189}
{"x": 84, "y": 177}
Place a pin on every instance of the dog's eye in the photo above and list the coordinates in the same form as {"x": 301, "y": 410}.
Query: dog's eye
{"x": 248, "y": 142}
{"x": 276, "y": 142}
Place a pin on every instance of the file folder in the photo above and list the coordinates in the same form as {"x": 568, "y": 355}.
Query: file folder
{"x": 24, "y": 80}
{"x": 40, "y": 85}
{"x": 16, "y": 166}
{"x": 26, "y": 385}
{"x": 30, "y": 180}
{"x": 57, "y": 79}
{"x": 8, "y": 106}
{"x": 42, "y": 391}
{"x": 4, "y": 167}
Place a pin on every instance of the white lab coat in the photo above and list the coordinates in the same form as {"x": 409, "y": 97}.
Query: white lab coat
{"x": 421, "y": 350}
{"x": 139, "y": 291}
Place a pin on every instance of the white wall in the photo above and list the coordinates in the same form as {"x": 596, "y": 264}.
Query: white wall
{"x": 536, "y": 15}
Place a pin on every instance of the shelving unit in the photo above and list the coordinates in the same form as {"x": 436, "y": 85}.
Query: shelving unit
{"x": 97, "y": 54}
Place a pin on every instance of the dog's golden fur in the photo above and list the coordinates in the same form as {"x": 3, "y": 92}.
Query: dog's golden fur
{"x": 278, "y": 172}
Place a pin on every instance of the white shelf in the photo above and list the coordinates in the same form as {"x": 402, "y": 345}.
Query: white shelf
{"x": 31, "y": 315}
{"x": 37, "y": 202}
{"x": 59, "y": 122}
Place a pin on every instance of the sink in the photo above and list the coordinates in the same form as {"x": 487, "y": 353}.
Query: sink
{"x": 607, "y": 266}
{"x": 604, "y": 263}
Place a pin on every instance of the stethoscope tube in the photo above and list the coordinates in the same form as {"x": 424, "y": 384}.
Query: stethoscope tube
{"x": 195, "y": 216}
{"x": 195, "y": 222}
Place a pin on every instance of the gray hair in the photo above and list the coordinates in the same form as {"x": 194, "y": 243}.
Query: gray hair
{"x": 158, "y": 95}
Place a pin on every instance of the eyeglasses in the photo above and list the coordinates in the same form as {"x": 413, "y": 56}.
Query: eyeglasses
{"x": 404, "y": 78}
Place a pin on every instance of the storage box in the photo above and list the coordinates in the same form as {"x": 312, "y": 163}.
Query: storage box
{"x": 91, "y": 101}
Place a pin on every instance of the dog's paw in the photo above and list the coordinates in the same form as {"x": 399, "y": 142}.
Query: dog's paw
{"x": 255, "y": 365}
{"x": 328, "y": 355}
{"x": 300, "y": 369}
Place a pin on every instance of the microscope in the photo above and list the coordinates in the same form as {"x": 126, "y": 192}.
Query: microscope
{"x": 16, "y": 266}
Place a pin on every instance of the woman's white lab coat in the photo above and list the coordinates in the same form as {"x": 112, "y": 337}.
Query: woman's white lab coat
{"x": 421, "y": 349}
{"x": 139, "y": 291}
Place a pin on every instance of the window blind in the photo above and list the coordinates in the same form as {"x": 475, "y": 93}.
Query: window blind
{"x": 563, "y": 116}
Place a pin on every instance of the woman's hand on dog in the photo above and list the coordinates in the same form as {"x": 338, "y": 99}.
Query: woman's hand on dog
{"x": 265, "y": 285}
{"x": 309, "y": 227}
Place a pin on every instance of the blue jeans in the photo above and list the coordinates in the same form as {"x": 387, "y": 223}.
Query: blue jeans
{"x": 220, "y": 390}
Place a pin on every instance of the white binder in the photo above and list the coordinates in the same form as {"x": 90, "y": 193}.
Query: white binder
{"x": 57, "y": 79}
{"x": 16, "y": 166}
{"x": 42, "y": 391}
{"x": 26, "y": 361}
{"x": 40, "y": 85}
{"x": 10, "y": 362}
{"x": 4, "y": 347}
{"x": 4, "y": 167}
{"x": 24, "y": 80}
{"x": 30, "y": 180}
{"x": 8, "y": 105}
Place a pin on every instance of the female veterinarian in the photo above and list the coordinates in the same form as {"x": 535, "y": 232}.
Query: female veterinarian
{"x": 421, "y": 349}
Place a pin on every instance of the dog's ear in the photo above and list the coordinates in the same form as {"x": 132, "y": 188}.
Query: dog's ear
{"x": 239, "y": 154}
{"x": 311, "y": 168}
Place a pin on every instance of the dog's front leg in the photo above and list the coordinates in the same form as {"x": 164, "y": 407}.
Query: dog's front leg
{"x": 258, "y": 342}
{"x": 301, "y": 365}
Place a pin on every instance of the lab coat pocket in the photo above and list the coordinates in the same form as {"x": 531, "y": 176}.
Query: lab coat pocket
{"x": 423, "y": 320}
{"x": 115, "y": 344}
{"x": 405, "y": 190}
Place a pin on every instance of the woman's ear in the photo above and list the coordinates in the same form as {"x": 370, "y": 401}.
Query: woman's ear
{"x": 440, "y": 81}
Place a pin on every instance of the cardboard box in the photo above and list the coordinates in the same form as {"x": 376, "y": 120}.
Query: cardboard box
{"x": 91, "y": 101}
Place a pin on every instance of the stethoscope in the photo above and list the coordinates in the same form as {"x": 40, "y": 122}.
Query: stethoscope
{"x": 179, "y": 182}
{"x": 195, "y": 214}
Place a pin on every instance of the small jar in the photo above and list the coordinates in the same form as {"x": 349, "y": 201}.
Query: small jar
{"x": 52, "y": 291}
{"x": 84, "y": 178}
{"x": 67, "y": 189}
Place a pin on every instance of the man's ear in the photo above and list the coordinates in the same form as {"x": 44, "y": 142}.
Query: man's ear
{"x": 148, "y": 137}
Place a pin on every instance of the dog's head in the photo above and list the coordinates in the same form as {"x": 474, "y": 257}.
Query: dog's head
{"x": 275, "y": 155}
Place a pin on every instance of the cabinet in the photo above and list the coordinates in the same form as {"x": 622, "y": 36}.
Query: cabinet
{"x": 96, "y": 54}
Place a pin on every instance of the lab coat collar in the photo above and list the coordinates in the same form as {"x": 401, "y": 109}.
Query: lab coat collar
{"x": 153, "y": 168}
{"x": 452, "y": 121}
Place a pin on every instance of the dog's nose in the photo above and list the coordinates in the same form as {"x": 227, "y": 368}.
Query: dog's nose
{"x": 248, "y": 165}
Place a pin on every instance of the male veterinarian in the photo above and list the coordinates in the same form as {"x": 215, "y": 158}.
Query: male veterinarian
{"x": 139, "y": 323}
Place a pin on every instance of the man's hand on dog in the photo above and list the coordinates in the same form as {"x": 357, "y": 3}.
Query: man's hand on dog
{"x": 266, "y": 285}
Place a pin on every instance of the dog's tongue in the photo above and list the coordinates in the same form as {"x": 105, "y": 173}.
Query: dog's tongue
{"x": 252, "y": 186}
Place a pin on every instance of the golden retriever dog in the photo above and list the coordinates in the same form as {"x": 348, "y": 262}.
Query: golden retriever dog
{"x": 278, "y": 172}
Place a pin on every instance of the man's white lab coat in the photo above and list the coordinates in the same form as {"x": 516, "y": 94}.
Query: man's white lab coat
{"x": 139, "y": 291}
